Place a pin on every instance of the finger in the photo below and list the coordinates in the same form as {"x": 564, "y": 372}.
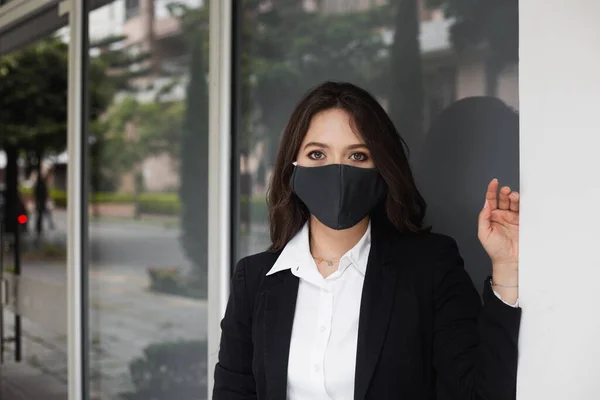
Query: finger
{"x": 492, "y": 194}
{"x": 503, "y": 201}
{"x": 505, "y": 217}
{"x": 514, "y": 198}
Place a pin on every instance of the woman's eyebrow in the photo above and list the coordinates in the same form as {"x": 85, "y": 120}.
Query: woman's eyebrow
{"x": 316, "y": 144}
{"x": 357, "y": 146}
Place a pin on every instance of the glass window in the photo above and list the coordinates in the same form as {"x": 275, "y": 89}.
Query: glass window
{"x": 148, "y": 202}
{"x": 33, "y": 223}
{"x": 445, "y": 72}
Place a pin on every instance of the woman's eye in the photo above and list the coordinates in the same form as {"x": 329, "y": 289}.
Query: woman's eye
{"x": 358, "y": 157}
{"x": 316, "y": 155}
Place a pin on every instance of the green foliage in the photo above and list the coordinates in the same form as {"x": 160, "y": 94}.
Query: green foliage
{"x": 144, "y": 129}
{"x": 59, "y": 198}
{"x": 170, "y": 370}
{"x": 149, "y": 203}
{"x": 166, "y": 280}
{"x": 102, "y": 88}
{"x": 33, "y": 96}
{"x": 47, "y": 252}
{"x": 107, "y": 158}
{"x": 113, "y": 198}
{"x": 170, "y": 280}
{"x": 154, "y": 203}
{"x": 130, "y": 132}
{"x": 159, "y": 205}
{"x": 34, "y": 101}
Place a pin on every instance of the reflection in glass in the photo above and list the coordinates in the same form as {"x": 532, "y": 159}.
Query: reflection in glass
{"x": 33, "y": 316}
{"x": 148, "y": 200}
{"x": 417, "y": 57}
{"x": 471, "y": 142}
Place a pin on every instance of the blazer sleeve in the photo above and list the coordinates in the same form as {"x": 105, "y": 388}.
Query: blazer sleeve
{"x": 475, "y": 348}
{"x": 234, "y": 379}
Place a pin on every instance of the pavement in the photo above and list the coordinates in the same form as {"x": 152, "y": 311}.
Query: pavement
{"x": 16, "y": 384}
{"x": 124, "y": 316}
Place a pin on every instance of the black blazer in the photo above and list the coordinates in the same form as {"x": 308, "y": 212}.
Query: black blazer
{"x": 421, "y": 326}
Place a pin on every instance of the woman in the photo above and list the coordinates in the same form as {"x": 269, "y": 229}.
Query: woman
{"x": 355, "y": 299}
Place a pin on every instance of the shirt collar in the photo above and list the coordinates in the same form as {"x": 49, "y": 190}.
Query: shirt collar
{"x": 297, "y": 251}
{"x": 359, "y": 254}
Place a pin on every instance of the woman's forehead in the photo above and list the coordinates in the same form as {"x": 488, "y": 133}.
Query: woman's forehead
{"x": 332, "y": 126}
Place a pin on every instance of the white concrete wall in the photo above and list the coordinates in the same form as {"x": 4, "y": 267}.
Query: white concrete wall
{"x": 560, "y": 183}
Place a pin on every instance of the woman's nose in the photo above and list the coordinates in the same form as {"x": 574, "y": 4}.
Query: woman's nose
{"x": 337, "y": 157}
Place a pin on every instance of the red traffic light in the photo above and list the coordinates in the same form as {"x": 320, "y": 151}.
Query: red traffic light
{"x": 22, "y": 219}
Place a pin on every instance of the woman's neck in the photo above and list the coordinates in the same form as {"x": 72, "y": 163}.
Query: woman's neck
{"x": 330, "y": 244}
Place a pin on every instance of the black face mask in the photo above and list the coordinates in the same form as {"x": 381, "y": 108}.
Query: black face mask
{"x": 338, "y": 195}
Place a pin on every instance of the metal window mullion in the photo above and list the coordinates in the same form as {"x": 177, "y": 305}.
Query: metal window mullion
{"x": 77, "y": 203}
{"x": 219, "y": 198}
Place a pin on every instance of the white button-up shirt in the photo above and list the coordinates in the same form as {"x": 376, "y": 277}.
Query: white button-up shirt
{"x": 322, "y": 357}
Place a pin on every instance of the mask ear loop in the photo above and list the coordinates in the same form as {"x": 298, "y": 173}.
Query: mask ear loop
{"x": 295, "y": 164}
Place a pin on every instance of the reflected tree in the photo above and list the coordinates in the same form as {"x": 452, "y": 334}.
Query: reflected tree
{"x": 33, "y": 109}
{"x": 130, "y": 132}
{"x": 33, "y": 105}
{"x": 489, "y": 24}
{"x": 111, "y": 73}
{"x": 194, "y": 161}
{"x": 405, "y": 74}
{"x": 170, "y": 370}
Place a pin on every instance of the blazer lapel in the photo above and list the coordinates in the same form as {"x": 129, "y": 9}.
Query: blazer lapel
{"x": 280, "y": 307}
{"x": 375, "y": 312}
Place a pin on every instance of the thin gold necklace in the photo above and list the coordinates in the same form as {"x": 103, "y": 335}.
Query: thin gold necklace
{"x": 329, "y": 262}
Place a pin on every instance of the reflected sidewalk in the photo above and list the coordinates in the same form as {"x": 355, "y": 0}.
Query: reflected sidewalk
{"x": 125, "y": 317}
{"x": 23, "y": 382}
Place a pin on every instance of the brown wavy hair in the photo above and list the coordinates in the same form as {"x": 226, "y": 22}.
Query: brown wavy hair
{"x": 404, "y": 206}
